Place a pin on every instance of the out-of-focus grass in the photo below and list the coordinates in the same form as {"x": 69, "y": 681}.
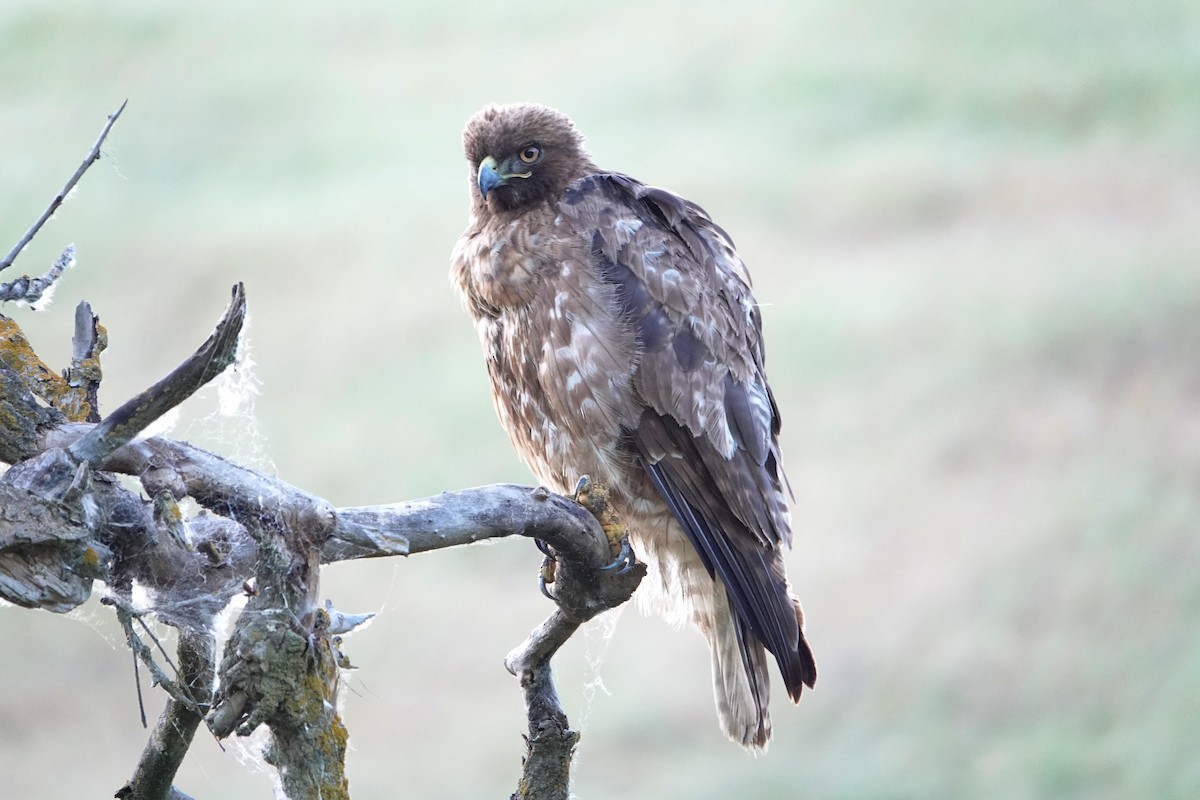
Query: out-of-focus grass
{"x": 975, "y": 229}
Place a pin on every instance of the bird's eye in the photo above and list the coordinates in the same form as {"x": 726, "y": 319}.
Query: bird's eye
{"x": 531, "y": 154}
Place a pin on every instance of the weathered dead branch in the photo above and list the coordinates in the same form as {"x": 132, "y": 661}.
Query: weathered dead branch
{"x": 65, "y": 521}
{"x": 209, "y": 361}
{"x": 280, "y": 666}
{"x": 172, "y": 736}
{"x": 34, "y": 290}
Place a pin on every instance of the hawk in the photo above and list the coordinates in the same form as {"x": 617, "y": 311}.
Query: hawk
{"x": 623, "y": 342}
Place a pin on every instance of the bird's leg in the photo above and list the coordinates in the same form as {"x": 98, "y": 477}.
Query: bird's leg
{"x": 595, "y": 498}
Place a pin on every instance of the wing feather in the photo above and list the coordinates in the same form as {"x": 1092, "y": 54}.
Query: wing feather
{"x": 708, "y": 435}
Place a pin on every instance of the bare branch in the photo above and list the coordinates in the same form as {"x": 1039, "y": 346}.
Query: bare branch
{"x": 218, "y": 484}
{"x": 24, "y": 377}
{"x": 546, "y": 771}
{"x": 172, "y": 736}
{"x": 84, "y": 375}
{"x": 57, "y": 575}
{"x": 23, "y": 419}
{"x": 34, "y": 290}
{"x": 342, "y": 623}
{"x": 177, "y": 691}
{"x": 449, "y": 519}
{"x": 206, "y": 363}
{"x": 280, "y": 668}
{"x": 456, "y": 518}
{"x": 92, "y": 156}
{"x": 542, "y": 643}
{"x": 47, "y": 559}
{"x": 583, "y": 588}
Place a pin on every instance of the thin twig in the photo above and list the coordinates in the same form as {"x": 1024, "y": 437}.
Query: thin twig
{"x": 137, "y": 671}
{"x": 32, "y": 290}
{"x": 92, "y": 156}
{"x": 158, "y": 643}
{"x": 178, "y": 690}
{"x": 172, "y": 736}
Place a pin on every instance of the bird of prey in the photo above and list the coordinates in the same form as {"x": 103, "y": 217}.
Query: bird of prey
{"x": 623, "y": 342}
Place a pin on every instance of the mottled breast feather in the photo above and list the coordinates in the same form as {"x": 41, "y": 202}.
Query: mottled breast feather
{"x": 560, "y": 357}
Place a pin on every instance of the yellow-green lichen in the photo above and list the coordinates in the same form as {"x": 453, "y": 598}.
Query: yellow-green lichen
{"x": 17, "y": 356}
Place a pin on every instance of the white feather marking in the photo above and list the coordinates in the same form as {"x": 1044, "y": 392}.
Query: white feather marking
{"x": 583, "y": 341}
{"x": 523, "y": 272}
{"x": 760, "y": 404}
{"x": 625, "y": 228}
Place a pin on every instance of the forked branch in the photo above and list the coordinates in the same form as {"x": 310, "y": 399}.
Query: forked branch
{"x": 66, "y": 522}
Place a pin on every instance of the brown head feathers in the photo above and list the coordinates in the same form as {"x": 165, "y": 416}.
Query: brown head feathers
{"x": 536, "y": 152}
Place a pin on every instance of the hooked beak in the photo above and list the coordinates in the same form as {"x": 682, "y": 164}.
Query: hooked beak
{"x": 489, "y": 176}
{"x": 493, "y": 174}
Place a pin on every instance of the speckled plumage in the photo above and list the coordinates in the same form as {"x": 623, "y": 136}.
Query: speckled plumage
{"x": 623, "y": 342}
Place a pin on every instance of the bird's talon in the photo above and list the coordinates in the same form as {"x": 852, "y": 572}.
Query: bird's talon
{"x": 624, "y": 560}
{"x": 546, "y": 575}
{"x": 545, "y": 548}
{"x": 581, "y": 486}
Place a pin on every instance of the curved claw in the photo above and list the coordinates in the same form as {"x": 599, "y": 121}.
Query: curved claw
{"x": 546, "y": 576}
{"x": 581, "y": 486}
{"x": 545, "y": 548}
{"x": 624, "y": 560}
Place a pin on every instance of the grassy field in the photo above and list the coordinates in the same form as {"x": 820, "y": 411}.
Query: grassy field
{"x": 976, "y": 229}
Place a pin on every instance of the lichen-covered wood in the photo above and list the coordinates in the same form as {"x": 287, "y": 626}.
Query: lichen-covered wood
{"x": 65, "y": 520}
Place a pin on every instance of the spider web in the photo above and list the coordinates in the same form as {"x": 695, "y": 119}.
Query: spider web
{"x": 597, "y": 636}
{"x": 221, "y": 416}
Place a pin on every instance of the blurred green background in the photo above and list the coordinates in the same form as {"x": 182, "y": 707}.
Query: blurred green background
{"x": 976, "y": 229}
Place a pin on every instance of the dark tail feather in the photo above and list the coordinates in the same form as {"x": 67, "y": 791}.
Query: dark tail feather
{"x": 799, "y": 669}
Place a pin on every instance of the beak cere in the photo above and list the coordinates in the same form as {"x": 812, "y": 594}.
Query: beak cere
{"x": 489, "y": 178}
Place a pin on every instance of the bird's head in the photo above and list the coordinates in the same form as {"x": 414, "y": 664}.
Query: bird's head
{"x": 522, "y": 154}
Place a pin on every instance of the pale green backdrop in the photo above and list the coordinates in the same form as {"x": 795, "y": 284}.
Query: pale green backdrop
{"x": 976, "y": 230}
